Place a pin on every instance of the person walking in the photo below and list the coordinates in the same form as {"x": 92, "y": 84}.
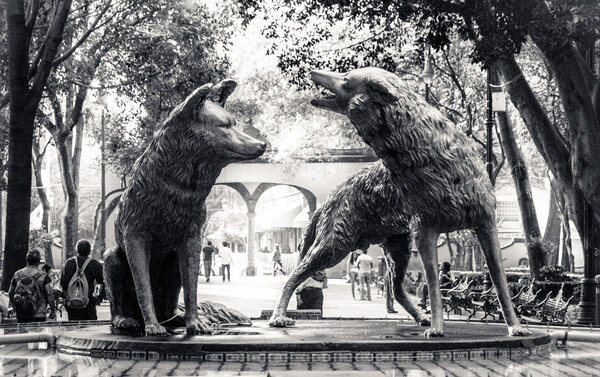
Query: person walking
{"x": 226, "y": 259}
{"x": 388, "y": 285}
{"x": 365, "y": 265}
{"x": 208, "y": 251}
{"x": 78, "y": 279}
{"x": 31, "y": 291}
{"x": 352, "y": 269}
{"x": 277, "y": 266}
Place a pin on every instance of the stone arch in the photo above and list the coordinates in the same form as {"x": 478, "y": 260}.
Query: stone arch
{"x": 251, "y": 198}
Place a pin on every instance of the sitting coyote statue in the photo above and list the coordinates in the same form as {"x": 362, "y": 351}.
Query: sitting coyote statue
{"x": 162, "y": 210}
{"x": 433, "y": 165}
{"x": 366, "y": 209}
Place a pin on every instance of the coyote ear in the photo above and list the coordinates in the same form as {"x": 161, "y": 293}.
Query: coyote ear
{"x": 221, "y": 91}
{"x": 196, "y": 99}
{"x": 380, "y": 91}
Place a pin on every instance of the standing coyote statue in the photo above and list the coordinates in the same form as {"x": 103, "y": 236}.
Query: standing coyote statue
{"x": 434, "y": 166}
{"x": 162, "y": 210}
{"x": 366, "y": 209}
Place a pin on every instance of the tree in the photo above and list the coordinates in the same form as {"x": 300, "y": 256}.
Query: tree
{"x": 26, "y": 82}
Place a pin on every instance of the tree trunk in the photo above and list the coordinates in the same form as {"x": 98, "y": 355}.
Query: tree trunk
{"x": 112, "y": 205}
{"x": 41, "y": 189}
{"x": 68, "y": 232}
{"x": 533, "y": 237}
{"x": 24, "y": 102}
{"x": 551, "y": 239}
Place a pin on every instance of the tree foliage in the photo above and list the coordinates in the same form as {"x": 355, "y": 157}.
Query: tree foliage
{"x": 154, "y": 68}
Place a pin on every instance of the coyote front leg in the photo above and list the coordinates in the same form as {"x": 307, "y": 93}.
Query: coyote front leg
{"x": 138, "y": 256}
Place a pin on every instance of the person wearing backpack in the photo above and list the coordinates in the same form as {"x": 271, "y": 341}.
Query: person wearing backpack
{"x": 78, "y": 280}
{"x": 31, "y": 291}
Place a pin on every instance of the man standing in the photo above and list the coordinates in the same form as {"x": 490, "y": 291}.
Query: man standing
{"x": 31, "y": 291}
{"x": 365, "y": 265}
{"x": 226, "y": 260}
{"x": 208, "y": 252}
{"x": 72, "y": 277}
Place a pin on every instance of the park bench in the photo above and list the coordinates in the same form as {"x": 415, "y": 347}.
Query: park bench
{"x": 486, "y": 301}
{"x": 553, "y": 309}
{"x": 524, "y": 302}
{"x": 457, "y": 298}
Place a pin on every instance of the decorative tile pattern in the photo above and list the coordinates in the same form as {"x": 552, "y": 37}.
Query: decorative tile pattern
{"x": 460, "y": 355}
{"x": 442, "y": 355}
{"x": 342, "y": 357}
{"x": 491, "y": 353}
{"x": 109, "y": 354}
{"x": 123, "y": 354}
{"x": 476, "y": 355}
{"x": 363, "y": 356}
{"x": 96, "y": 352}
{"x": 256, "y": 357}
{"x": 405, "y": 356}
{"x": 324, "y": 357}
{"x": 209, "y": 356}
{"x": 239, "y": 357}
{"x": 278, "y": 357}
{"x": 503, "y": 353}
{"x": 424, "y": 355}
{"x": 152, "y": 355}
{"x": 138, "y": 355}
{"x": 302, "y": 357}
{"x": 385, "y": 356}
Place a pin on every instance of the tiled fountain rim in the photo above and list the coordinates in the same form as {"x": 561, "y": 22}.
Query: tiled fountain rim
{"x": 309, "y": 342}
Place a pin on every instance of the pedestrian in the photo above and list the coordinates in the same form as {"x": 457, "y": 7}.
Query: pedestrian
{"x": 365, "y": 266}
{"x": 388, "y": 285}
{"x": 226, "y": 260}
{"x": 309, "y": 294}
{"x": 31, "y": 291}
{"x": 352, "y": 269}
{"x": 277, "y": 266}
{"x": 446, "y": 278}
{"x": 78, "y": 280}
{"x": 208, "y": 251}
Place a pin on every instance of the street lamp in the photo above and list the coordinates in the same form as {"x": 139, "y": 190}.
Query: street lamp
{"x": 489, "y": 123}
{"x": 427, "y": 74}
{"x": 102, "y": 189}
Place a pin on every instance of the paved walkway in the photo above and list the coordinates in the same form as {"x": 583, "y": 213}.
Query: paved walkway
{"x": 251, "y": 295}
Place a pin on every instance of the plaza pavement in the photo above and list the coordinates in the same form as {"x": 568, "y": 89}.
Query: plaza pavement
{"x": 252, "y": 294}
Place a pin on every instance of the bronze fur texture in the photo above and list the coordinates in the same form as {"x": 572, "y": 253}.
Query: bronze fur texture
{"x": 162, "y": 211}
{"x": 434, "y": 166}
{"x": 366, "y": 209}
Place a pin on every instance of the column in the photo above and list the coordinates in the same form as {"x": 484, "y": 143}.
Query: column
{"x": 251, "y": 246}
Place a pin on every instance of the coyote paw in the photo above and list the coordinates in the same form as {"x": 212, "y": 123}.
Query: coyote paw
{"x": 433, "y": 332}
{"x": 121, "y": 323}
{"x": 424, "y": 321}
{"x": 518, "y": 330}
{"x": 198, "y": 325}
{"x": 155, "y": 330}
{"x": 281, "y": 321}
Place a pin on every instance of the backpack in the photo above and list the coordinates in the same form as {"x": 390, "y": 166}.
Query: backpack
{"x": 77, "y": 291}
{"x": 28, "y": 299}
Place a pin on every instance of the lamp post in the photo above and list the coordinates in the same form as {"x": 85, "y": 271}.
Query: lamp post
{"x": 427, "y": 74}
{"x": 102, "y": 189}
{"x": 489, "y": 124}
{"x": 588, "y": 311}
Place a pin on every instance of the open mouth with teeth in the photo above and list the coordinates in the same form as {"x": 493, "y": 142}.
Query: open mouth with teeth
{"x": 325, "y": 99}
